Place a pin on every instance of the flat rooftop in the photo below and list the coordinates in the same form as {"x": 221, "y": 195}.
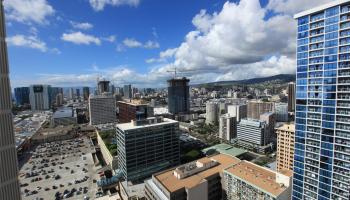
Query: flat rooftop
{"x": 134, "y": 103}
{"x": 63, "y": 113}
{"x": 319, "y": 8}
{"x": 287, "y": 127}
{"x": 225, "y": 149}
{"x": 172, "y": 183}
{"x": 258, "y": 176}
{"x": 131, "y": 125}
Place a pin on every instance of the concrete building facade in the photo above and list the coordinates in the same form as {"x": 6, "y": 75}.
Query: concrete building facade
{"x": 285, "y": 146}
{"x": 102, "y": 109}
{"x": 9, "y": 186}
{"x": 147, "y": 146}
{"x": 227, "y": 127}
{"x": 237, "y": 110}
{"x": 129, "y": 111}
{"x": 255, "y": 108}
{"x": 291, "y": 96}
{"x": 212, "y": 113}
{"x": 39, "y": 97}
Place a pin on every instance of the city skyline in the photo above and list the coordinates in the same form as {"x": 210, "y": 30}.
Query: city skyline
{"x": 146, "y": 39}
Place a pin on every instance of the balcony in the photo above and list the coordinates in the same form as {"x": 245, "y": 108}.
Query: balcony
{"x": 344, "y": 65}
{"x": 342, "y": 134}
{"x": 343, "y": 111}
{"x": 314, "y": 116}
{"x": 343, "y": 127}
{"x": 345, "y": 25}
{"x": 344, "y": 96}
{"x": 343, "y": 142}
{"x": 316, "y": 25}
{"x": 343, "y": 119}
{"x": 343, "y": 88}
{"x": 344, "y": 80}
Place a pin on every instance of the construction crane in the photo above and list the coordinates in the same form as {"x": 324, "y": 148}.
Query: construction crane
{"x": 176, "y": 71}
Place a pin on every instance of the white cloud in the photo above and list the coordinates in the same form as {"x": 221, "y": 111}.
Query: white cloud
{"x": 82, "y": 26}
{"x": 110, "y": 38}
{"x": 163, "y": 56}
{"x": 80, "y": 38}
{"x": 133, "y": 43}
{"x": 151, "y": 45}
{"x": 293, "y": 6}
{"x": 99, "y": 5}
{"x": 28, "y": 11}
{"x": 27, "y": 41}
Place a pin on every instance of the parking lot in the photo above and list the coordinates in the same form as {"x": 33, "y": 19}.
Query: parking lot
{"x": 60, "y": 170}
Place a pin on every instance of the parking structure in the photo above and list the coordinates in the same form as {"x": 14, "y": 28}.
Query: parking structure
{"x": 60, "y": 170}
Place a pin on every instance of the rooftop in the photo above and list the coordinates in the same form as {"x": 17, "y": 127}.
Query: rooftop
{"x": 258, "y": 176}
{"x": 287, "y": 127}
{"x": 224, "y": 149}
{"x": 151, "y": 122}
{"x": 172, "y": 183}
{"x": 63, "y": 113}
{"x": 319, "y": 8}
{"x": 134, "y": 102}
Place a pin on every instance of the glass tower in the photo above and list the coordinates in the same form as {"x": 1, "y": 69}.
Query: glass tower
{"x": 322, "y": 137}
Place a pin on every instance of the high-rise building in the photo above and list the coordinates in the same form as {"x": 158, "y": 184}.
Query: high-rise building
{"x": 281, "y": 111}
{"x": 227, "y": 127}
{"x": 178, "y": 95}
{"x": 133, "y": 111}
{"x": 285, "y": 146}
{"x": 103, "y": 86}
{"x": 212, "y": 113}
{"x": 9, "y": 187}
{"x": 198, "y": 180}
{"x": 291, "y": 96}
{"x": 77, "y": 93}
{"x": 59, "y": 99}
{"x": 238, "y": 110}
{"x": 248, "y": 181}
{"x": 40, "y": 97}
{"x": 71, "y": 93}
{"x": 86, "y": 93}
{"x": 102, "y": 109}
{"x": 127, "y": 92}
{"x": 147, "y": 146}
{"x": 321, "y": 156}
{"x": 22, "y": 95}
{"x": 255, "y": 108}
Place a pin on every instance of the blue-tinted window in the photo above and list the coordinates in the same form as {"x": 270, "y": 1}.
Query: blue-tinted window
{"x": 329, "y": 95}
{"x": 301, "y": 68}
{"x": 303, "y": 34}
{"x": 300, "y": 114}
{"x": 331, "y": 43}
{"x": 302, "y": 55}
{"x": 331, "y": 51}
{"x": 328, "y": 117}
{"x": 332, "y": 11}
{"x": 301, "y": 88}
{"x": 331, "y": 58}
{"x": 302, "y": 62}
{"x": 329, "y": 102}
{"x": 303, "y": 41}
{"x": 327, "y": 167}
{"x": 330, "y": 81}
{"x": 325, "y": 173}
{"x": 300, "y": 159}
{"x": 303, "y": 28}
{"x": 330, "y": 73}
{"x": 301, "y": 121}
{"x": 301, "y": 95}
{"x": 302, "y": 75}
{"x": 301, "y": 81}
{"x": 316, "y": 39}
{"x": 325, "y": 145}
{"x": 328, "y": 110}
{"x": 326, "y": 124}
{"x": 328, "y": 66}
{"x": 299, "y": 146}
{"x": 303, "y": 48}
{"x": 303, "y": 20}
{"x": 332, "y": 35}
{"x": 300, "y": 134}
{"x": 332, "y": 20}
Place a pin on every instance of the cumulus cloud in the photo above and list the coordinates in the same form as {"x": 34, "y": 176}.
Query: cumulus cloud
{"x": 28, "y": 11}
{"x": 80, "y": 38}
{"x": 82, "y": 25}
{"x": 133, "y": 43}
{"x": 291, "y": 7}
{"x": 99, "y": 5}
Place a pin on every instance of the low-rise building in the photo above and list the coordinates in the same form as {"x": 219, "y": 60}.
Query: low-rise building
{"x": 64, "y": 116}
{"x": 201, "y": 179}
{"x": 247, "y": 181}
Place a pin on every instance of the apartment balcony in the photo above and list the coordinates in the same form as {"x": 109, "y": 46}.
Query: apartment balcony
{"x": 343, "y": 104}
{"x": 314, "y": 102}
{"x": 344, "y": 65}
{"x": 318, "y": 46}
{"x": 343, "y": 111}
{"x": 309, "y": 142}
{"x": 343, "y": 127}
{"x": 317, "y": 32}
{"x": 344, "y": 25}
{"x": 313, "y": 116}
{"x": 342, "y": 149}
{"x": 340, "y": 185}
{"x": 341, "y": 164}
{"x": 343, "y": 142}
{"x": 344, "y": 80}
{"x": 344, "y": 96}
{"x": 342, "y": 156}
{"x": 345, "y": 9}
{"x": 341, "y": 171}
{"x": 344, "y": 88}
{"x": 342, "y": 134}
{"x": 313, "y": 109}
{"x": 316, "y": 25}
{"x": 314, "y": 123}
{"x": 343, "y": 119}
{"x": 344, "y": 41}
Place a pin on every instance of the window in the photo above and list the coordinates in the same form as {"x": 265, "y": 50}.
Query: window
{"x": 301, "y": 68}
{"x": 332, "y": 20}
{"x": 331, "y": 43}
{"x": 331, "y": 51}
{"x": 302, "y": 55}
{"x": 303, "y": 41}
{"x": 303, "y": 34}
{"x": 303, "y": 28}
{"x": 331, "y": 28}
{"x": 332, "y": 58}
{"x": 332, "y": 35}
{"x": 332, "y": 11}
{"x": 302, "y": 48}
{"x": 330, "y": 73}
{"x": 303, "y": 20}
{"x": 330, "y": 66}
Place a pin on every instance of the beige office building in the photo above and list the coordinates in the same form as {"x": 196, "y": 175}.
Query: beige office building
{"x": 285, "y": 146}
{"x": 9, "y": 187}
{"x": 256, "y": 108}
{"x": 201, "y": 179}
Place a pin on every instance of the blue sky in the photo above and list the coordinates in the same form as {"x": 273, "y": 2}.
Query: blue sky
{"x": 71, "y": 43}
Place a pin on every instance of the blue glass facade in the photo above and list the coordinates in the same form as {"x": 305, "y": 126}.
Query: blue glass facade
{"x": 22, "y": 95}
{"x": 322, "y": 143}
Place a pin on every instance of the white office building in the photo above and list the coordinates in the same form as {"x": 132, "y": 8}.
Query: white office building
{"x": 39, "y": 97}
{"x": 102, "y": 109}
